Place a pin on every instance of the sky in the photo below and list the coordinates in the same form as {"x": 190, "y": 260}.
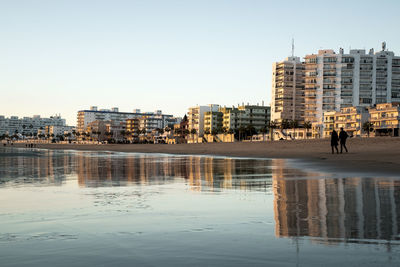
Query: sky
{"x": 58, "y": 57}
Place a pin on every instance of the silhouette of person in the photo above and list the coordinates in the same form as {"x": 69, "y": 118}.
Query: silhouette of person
{"x": 342, "y": 137}
{"x": 334, "y": 141}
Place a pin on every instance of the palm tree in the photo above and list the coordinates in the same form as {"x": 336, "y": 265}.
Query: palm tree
{"x": 285, "y": 124}
{"x": 294, "y": 124}
{"x": 272, "y": 125}
{"x": 264, "y": 130}
{"x": 241, "y": 130}
{"x": 307, "y": 125}
{"x": 368, "y": 127}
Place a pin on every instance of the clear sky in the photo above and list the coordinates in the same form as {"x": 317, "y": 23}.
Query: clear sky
{"x": 64, "y": 56}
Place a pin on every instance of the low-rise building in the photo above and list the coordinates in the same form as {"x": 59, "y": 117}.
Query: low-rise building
{"x": 213, "y": 122}
{"x": 58, "y": 130}
{"x": 386, "y": 119}
{"x": 329, "y": 123}
{"x": 351, "y": 119}
{"x": 196, "y": 117}
{"x": 246, "y": 115}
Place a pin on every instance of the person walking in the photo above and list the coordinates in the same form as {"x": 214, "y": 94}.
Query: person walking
{"x": 342, "y": 137}
{"x": 334, "y": 141}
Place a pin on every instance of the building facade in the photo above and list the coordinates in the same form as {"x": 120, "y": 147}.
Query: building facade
{"x": 246, "y": 115}
{"x": 196, "y": 117}
{"x": 329, "y": 123}
{"x": 287, "y": 99}
{"x": 385, "y": 119}
{"x": 351, "y": 119}
{"x": 213, "y": 121}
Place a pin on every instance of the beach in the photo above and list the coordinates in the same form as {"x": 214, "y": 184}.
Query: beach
{"x": 376, "y": 156}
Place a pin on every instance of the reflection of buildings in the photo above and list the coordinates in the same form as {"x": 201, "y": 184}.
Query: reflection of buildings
{"x": 105, "y": 169}
{"x": 35, "y": 166}
{"x": 336, "y": 209}
{"x": 200, "y": 172}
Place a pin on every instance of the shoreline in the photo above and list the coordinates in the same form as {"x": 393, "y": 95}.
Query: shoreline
{"x": 373, "y": 156}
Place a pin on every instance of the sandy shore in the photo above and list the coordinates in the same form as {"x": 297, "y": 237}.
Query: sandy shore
{"x": 376, "y": 156}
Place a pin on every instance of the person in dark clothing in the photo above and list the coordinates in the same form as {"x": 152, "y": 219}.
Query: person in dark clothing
{"x": 334, "y": 141}
{"x": 342, "y": 137}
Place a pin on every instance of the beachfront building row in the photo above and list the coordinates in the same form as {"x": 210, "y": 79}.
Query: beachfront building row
{"x": 149, "y": 119}
{"x": 329, "y": 81}
{"x": 28, "y": 125}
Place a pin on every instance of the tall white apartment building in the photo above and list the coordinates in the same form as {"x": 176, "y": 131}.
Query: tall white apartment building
{"x": 334, "y": 81}
{"x": 85, "y": 117}
{"x": 196, "y": 117}
{"x": 287, "y": 99}
{"x": 28, "y": 125}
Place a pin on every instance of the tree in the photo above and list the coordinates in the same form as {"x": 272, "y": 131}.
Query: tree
{"x": 285, "y": 124}
{"x": 250, "y": 130}
{"x": 294, "y": 124}
{"x": 264, "y": 130}
{"x": 272, "y": 125}
{"x": 193, "y": 131}
{"x": 368, "y": 127}
{"x": 240, "y": 131}
{"x": 307, "y": 125}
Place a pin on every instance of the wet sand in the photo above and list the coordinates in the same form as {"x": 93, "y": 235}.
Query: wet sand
{"x": 366, "y": 155}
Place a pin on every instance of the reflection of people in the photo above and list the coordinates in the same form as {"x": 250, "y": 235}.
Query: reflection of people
{"x": 334, "y": 141}
{"x": 342, "y": 137}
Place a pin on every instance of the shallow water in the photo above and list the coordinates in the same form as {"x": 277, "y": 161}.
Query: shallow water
{"x": 66, "y": 208}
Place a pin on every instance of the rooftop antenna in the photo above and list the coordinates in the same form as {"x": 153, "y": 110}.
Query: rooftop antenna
{"x": 292, "y": 47}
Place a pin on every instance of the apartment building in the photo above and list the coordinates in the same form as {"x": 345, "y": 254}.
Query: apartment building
{"x": 196, "y": 117}
{"x": 328, "y": 123}
{"x": 28, "y": 125}
{"x": 85, "y": 117}
{"x": 337, "y": 80}
{"x": 245, "y": 115}
{"x": 385, "y": 118}
{"x": 213, "y": 121}
{"x": 351, "y": 119}
{"x": 58, "y": 130}
{"x": 287, "y": 99}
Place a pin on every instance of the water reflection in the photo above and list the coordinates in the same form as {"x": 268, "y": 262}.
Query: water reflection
{"x": 32, "y": 166}
{"x": 200, "y": 172}
{"x": 336, "y": 210}
{"x": 306, "y": 204}
{"x": 121, "y": 169}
